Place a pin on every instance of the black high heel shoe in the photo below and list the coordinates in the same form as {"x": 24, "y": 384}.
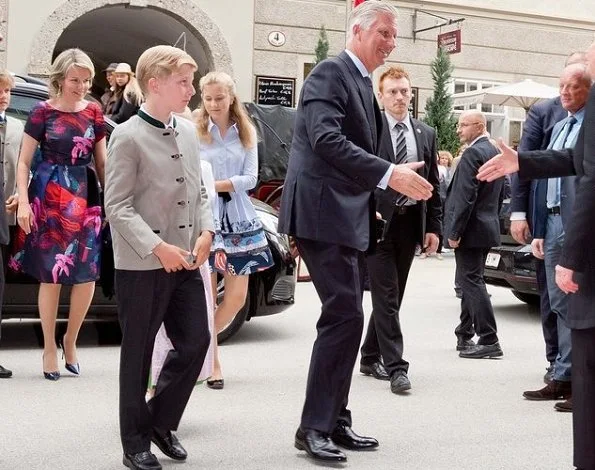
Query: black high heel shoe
{"x": 53, "y": 376}
{"x": 72, "y": 368}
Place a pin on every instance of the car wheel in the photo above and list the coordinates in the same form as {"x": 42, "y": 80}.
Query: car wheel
{"x": 530, "y": 299}
{"x": 233, "y": 326}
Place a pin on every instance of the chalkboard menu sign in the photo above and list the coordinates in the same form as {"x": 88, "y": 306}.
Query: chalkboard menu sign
{"x": 275, "y": 90}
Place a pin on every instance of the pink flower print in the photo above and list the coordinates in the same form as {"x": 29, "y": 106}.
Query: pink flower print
{"x": 61, "y": 266}
{"x": 15, "y": 263}
{"x": 82, "y": 146}
{"x": 36, "y": 208}
{"x": 93, "y": 219}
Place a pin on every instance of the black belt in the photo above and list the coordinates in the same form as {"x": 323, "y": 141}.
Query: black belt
{"x": 554, "y": 210}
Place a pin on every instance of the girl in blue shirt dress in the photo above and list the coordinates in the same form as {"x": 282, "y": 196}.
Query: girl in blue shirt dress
{"x": 228, "y": 142}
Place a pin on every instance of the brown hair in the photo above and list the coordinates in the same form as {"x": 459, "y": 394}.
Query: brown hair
{"x": 447, "y": 154}
{"x": 394, "y": 71}
{"x": 237, "y": 112}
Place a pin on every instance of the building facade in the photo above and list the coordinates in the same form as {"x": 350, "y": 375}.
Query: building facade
{"x": 267, "y": 45}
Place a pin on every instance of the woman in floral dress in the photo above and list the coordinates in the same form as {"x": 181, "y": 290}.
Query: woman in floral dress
{"x": 228, "y": 143}
{"x": 59, "y": 211}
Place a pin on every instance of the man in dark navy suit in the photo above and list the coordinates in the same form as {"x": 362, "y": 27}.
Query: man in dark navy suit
{"x": 575, "y": 272}
{"x": 408, "y": 223}
{"x": 328, "y": 206}
{"x": 537, "y": 131}
{"x": 472, "y": 226}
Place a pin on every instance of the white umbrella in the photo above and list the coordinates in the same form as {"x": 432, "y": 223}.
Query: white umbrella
{"x": 522, "y": 94}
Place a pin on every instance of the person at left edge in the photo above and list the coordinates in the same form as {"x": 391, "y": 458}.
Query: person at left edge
{"x": 11, "y": 134}
{"x": 408, "y": 223}
{"x": 328, "y": 206}
{"x": 162, "y": 228}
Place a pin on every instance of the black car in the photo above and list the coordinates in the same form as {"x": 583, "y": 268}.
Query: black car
{"x": 269, "y": 292}
{"x": 512, "y": 265}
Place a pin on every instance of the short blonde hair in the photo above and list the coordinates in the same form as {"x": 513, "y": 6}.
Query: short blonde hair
{"x": 161, "y": 62}
{"x": 63, "y": 63}
{"x": 6, "y": 78}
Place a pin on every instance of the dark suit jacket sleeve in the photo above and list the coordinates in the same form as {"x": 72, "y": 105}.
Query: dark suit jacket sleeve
{"x": 546, "y": 163}
{"x": 531, "y": 140}
{"x": 465, "y": 192}
{"x": 325, "y": 102}
{"x": 434, "y": 205}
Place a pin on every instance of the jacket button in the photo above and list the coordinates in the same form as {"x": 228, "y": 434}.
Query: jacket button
{"x": 181, "y": 179}
{"x": 182, "y": 203}
{"x": 176, "y": 156}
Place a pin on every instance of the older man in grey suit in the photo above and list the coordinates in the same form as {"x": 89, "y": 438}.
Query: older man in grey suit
{"x": 11, "y": 134}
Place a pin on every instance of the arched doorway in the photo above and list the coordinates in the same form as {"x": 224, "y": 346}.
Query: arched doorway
{"x": 121, "y": 31}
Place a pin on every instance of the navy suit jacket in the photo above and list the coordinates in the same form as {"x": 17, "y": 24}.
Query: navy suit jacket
{"x": 425, "y": 140}
{"x": 567, "y": 194}
{"x": 537, "y": 131}
{"x": 472, "y": 206}
{"x": 332, "y": 172}
{"x": 578, "y": 252}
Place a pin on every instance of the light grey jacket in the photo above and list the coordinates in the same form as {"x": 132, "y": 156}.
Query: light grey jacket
{"x": 154, "y": 190}
{"x": 12, "y": 148}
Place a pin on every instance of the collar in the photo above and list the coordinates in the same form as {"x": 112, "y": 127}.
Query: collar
{"x": 579, "y": 115}
{"x": 144, "y": 115}
{"x": 392, "y": 122}
{"x": 478, "y": 137}
{"x": 358, "y": 63}
{"x": 212, "y": 124}
{"x": 3, "y": 115}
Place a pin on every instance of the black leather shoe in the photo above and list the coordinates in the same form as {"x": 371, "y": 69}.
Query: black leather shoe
{"x": 399, "y": 382}
{"x": 169, "y": 444}
{"x": 482, "y": 351}
{"x": 375, "y": 369}
{"x": 344, "y": 436}
{"x": 5, "y": 373}
{"x": 318, "y": 445}
{"x": 463, "y": 344}
{"x": 141, "y": 461}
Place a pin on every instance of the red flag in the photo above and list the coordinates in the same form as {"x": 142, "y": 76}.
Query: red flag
{"x": 357, "y": 2}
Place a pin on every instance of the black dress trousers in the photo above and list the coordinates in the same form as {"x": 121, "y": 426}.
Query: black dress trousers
{"x": 477, "y": 315}
{"x": 146, "y": 299}
{"x": 338, "y": 275}
{"x": 388, "y": 269}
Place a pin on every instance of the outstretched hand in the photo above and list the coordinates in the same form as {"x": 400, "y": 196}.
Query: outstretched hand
{"x": 503, "y": 164}
{"x": 405, "y": 180}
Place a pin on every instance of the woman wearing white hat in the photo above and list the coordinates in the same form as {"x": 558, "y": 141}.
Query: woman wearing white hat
{"x": 128, "y": 94}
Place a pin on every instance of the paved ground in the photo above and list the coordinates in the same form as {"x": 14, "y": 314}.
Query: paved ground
{"x": 460, "y": 414}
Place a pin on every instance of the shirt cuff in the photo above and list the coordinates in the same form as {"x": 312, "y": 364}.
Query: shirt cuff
{"x": 518, "y": 216}
{"x": 384, "y": 181}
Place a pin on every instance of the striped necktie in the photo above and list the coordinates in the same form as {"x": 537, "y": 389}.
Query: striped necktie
{"x": 401, "y": 145}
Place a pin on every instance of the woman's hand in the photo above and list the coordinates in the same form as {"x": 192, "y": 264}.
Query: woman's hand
{"x": 25, "y": 217}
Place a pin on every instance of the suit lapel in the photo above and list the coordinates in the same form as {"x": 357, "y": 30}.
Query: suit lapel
{"x": 419, "y": 137}
{"x": 370, "y": 107}
{"x": 386, "y": 142}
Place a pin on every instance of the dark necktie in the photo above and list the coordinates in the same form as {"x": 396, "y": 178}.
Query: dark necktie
{"x": 570, "y": 123}
{"x": 401, "y": 145}
{"x": 2, "y": 120}
{"x": 371, "y": 118}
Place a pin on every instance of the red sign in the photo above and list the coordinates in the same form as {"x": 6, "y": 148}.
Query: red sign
{"x": 357, "y": 2}
{"x": 450, "y": 42}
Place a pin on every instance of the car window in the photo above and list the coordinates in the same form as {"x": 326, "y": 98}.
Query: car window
{"x": 21, "y": 106}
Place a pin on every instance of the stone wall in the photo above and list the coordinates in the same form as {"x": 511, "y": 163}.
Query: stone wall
{"x": 3, "y": 32}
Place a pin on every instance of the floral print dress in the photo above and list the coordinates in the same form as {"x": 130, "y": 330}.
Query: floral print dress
{"x": 64, "y": 244}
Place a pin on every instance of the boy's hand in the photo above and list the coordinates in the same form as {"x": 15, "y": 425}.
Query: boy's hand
{"x": 171, "y": 257}
{"x": 202, "y": 248}
{"x": 12, "y": 203}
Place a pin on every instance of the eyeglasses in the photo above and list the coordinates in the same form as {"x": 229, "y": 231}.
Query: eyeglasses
{"x": 467, "y": 124}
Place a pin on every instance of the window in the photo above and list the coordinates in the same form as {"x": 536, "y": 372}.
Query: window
{"x": 463, "y": 85}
